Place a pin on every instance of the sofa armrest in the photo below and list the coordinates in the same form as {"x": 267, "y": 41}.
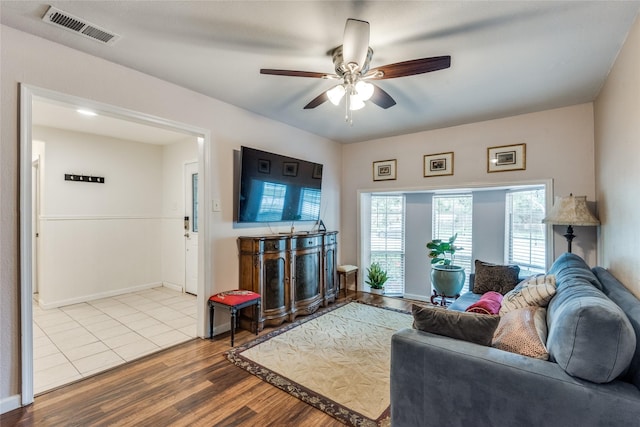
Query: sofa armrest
{"x": 437, "y": 380}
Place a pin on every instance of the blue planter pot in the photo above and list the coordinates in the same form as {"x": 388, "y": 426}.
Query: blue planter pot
{"x": 447, "y": 280}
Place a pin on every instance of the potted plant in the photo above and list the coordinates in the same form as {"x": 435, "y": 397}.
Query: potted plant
{"x": 376, "y": 277}
{"x": 446, "y": 277}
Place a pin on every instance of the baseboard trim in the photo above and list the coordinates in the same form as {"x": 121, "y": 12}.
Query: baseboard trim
{"x": 85, "y": 298}
{"x": 10, "y": 403}
{"x": 417, "y": 297}
{"x": 173, "y": 286}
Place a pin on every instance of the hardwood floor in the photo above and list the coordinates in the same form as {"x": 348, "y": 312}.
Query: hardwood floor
{"x": 191, "y": 384}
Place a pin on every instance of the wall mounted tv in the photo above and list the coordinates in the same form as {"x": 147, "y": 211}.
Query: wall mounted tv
{"x": 275, "y": 188}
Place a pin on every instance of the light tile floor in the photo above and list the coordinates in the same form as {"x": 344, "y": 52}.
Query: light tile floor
{"x": 73, "y": 342}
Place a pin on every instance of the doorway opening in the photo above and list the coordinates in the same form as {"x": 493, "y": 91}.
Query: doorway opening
{"x": 102, "y": 228}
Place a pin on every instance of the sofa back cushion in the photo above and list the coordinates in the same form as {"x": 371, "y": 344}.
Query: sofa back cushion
{"x": 631, "y": 307}
{"x": 590, "y": 336}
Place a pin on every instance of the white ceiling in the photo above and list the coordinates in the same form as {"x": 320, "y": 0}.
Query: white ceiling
{"x": 65, "y": 116}
{"x": 507, "y": 57}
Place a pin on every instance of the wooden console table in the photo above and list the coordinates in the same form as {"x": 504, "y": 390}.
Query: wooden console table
{"x": 294, "y": 273}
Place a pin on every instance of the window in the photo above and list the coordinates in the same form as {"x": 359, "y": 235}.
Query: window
{"x": 194, "y": 202}
{"x": 453, "y": 213}
{"x": 386, "y": 240}
{"x": 525, "y": 232}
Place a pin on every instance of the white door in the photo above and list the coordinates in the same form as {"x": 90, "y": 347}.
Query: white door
{"x": 191, "y": 227}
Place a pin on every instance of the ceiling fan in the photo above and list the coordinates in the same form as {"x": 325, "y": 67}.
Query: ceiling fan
{"x": 351, "y": 61}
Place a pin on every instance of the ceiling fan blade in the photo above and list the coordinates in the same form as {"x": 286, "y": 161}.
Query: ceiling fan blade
{"x": 293, "y": 73}
{"x": 381, "y": 98}
{"x": 415, "y": 66}
{"x": 317, "y": 101}
{"x": 355, "y": 43}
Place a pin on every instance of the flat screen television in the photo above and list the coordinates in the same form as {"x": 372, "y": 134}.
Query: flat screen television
{"x": 275, "y": 188}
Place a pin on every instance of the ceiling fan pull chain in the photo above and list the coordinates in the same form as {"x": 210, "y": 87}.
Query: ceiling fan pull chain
{"x": 347, "y": 106}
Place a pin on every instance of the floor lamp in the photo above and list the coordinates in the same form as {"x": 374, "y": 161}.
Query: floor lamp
{"x": 571, "y": 210}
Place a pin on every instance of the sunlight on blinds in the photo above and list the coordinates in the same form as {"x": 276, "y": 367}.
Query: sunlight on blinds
{"x": 454, "y": 214}
{"x": 387, "y": 239}
{"x": 525, "y": 232}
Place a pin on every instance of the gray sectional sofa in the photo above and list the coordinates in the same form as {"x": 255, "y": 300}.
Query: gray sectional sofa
{"x": 592, "y": 377}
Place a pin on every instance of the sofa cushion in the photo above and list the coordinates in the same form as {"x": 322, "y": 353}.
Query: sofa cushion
{"x": 523, "y": 331}
{"x": 493, "y": 277}
{"x": 535, "y": 291}
{"x": 464, "y": 301}
{"x": 619, "y": 294}
{"x": 569, "y": 265}
{"x": 472, "y": 327}
{"x": 590, "y": 336}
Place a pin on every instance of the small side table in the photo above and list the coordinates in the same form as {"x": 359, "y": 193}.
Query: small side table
{"x": 344, "y": 271}
{"x": 233, "y": 301}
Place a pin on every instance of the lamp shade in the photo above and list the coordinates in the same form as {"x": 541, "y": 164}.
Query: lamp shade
{"x": 571, "y": 210}
{"x": 335, "y": 94}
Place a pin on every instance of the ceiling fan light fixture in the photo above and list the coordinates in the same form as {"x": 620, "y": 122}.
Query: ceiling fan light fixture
{"x": 335, "y": 94}
{"x": 364, "y": 90}
{"x": 355, "y": 102}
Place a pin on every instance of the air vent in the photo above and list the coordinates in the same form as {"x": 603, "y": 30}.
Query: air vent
{"x": 79, "y": 26}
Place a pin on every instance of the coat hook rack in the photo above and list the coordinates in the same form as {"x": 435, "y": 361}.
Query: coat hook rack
{"x": 83, "y": 178}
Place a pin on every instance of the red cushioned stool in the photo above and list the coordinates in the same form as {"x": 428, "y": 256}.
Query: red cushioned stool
{"x": 234, "y": 301}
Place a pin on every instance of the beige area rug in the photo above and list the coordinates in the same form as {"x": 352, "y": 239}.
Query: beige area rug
{"x": 336, "y": 360}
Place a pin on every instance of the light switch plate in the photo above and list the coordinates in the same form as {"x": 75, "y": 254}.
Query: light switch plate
{"x": 215, "y": 205}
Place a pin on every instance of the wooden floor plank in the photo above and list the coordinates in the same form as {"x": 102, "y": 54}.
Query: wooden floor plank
{"x": 191, "y": 384}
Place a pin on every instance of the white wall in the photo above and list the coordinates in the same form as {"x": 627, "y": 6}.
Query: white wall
{"x": 617, "y": 142}
{"x": 418, "y": 231}
{"x": 97, "y": 239}
{"x": 488, "y": 225}
{"x": 41, "y": 63}
{"x": 559, "y": 146}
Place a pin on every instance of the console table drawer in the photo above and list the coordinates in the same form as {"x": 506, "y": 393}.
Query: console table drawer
{"x": 306, "y": 242}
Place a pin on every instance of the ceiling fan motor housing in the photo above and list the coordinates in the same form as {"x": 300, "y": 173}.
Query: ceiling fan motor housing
{"x": 342, "y": 68}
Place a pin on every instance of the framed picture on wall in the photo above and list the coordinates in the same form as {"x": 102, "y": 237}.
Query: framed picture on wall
{"x": 506, "y": 158}
{"x": 438, "y": 164}
{"x": 384, "y": 170}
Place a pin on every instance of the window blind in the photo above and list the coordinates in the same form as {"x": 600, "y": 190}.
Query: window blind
{"x": 525, "y": 232}
{"x": 386, "y": 241}
{"x": 453, "y": 213}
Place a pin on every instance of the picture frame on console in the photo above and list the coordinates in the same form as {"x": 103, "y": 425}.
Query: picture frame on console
{"x": 506, "y": 158}
{"x": 384, "y": 170}
{"x": 438, "y": 164}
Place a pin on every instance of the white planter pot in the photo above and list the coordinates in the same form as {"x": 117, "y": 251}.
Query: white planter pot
{"x": 377, "y": 291}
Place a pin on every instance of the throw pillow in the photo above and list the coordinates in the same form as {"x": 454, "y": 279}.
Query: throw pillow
{"x": 523, "y": 331}
{"x": 488, "y": 303}
{"x": 472, "y": 327}
{"x": 535, "y": 291}
{"x": 493, "y": 277}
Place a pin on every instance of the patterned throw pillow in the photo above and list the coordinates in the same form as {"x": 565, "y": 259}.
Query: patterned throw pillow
{"x": 472, "y": 327}
{"x": 523, "y": 331}
{"x": 493, "y": 277}
{"x": 535, "y": 291}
